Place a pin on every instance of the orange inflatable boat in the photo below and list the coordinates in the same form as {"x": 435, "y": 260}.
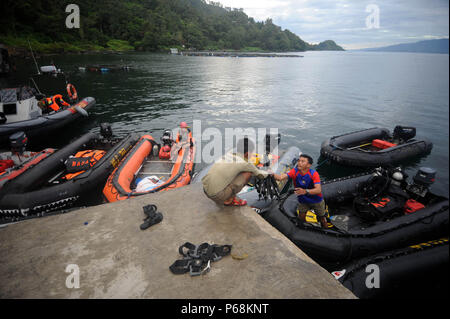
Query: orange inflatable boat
{"x": 151, "y": 167}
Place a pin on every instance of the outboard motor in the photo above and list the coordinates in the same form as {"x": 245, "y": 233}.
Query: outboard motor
{"x": 166, "y": 138}
{"x": 167, "y": 141}
{"x": 106, "y": 130}
{"x": 404, "y": 133}
{"x": 425, "y": 176}
{"x": 18, "y": 142}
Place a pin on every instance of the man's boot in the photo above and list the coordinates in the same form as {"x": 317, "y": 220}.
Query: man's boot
{"x": 323, "y": 222}
{"x": 302, "y": 217}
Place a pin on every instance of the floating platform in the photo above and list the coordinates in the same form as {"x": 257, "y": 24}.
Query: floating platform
{"x": 116, "y": 259}
{"x": 104, "y": 68}
{"x": 240, "y": 54}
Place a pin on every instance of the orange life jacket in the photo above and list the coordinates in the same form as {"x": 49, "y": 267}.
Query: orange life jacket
{"x": 82, "y": 161}
{"x": 60, "y": 100}
{"x": 50, "y": 104}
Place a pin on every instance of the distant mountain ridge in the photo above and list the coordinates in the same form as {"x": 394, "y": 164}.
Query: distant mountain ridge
{"x": 426, "y": 46}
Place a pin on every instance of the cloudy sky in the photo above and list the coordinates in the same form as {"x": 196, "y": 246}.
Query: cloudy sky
{"x": 354, "y": 24}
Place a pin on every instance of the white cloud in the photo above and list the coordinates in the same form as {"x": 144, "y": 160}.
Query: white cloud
{"x": 344, "y": 20}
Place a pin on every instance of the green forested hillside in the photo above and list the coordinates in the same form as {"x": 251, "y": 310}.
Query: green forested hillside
{"x": 151, "y": 25}
{"x": 328, "y": 45}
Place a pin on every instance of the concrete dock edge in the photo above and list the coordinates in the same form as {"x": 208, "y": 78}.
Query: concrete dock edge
{"x": 116, "y": 259}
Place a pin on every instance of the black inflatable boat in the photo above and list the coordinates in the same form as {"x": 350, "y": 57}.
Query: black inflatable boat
{"x": 368, "y": 213}
{"x": 375, "y": 147}
{"x": 416, "y": 271}
{"x": 64, "y": 179}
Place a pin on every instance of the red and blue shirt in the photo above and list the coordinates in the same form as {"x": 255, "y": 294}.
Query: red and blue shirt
{"x": 306, "y": 181}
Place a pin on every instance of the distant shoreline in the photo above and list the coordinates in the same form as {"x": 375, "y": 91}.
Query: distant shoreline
{"x": 21, "y": 52}
{"x": 19, "y": 47}
{"x": 238, "y": 54}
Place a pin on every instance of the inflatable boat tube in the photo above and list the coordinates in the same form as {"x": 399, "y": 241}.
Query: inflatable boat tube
{"x": 358, "y": 148}
{"x": 42, "y": 125}
{"x": 34, "y": 178}
{"x": 419, "y": 270}
{"x": 14, "y": 172}
{"x": 351, "y": 237}
{"x": 34, "y": 194}
{"x": 119, "y": 184}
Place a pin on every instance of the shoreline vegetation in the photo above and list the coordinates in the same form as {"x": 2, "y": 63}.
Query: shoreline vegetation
{"x": 20, "y": 47}
{"x": 142, "y": 26}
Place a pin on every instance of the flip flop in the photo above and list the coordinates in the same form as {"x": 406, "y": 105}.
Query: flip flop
{"x": 236, "y": 202}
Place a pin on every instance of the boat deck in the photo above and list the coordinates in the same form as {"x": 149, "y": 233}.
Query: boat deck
{"x": 156, "y": 167}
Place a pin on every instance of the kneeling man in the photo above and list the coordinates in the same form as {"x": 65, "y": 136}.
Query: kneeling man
{"x": 230, "y": 174}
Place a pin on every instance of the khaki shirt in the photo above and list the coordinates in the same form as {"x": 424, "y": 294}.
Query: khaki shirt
{"x": 224, "y": 170}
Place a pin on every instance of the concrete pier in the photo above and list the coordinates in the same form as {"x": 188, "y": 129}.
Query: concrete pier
{"x": 118, "y": 260}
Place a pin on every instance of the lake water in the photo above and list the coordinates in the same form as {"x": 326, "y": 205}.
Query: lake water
{"x": 308, "y": 99}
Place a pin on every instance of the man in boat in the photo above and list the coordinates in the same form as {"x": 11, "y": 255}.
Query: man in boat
{"x": 307, "y": 187}
{"x": 230, "y": 174}
{"x": 183, "y": 135}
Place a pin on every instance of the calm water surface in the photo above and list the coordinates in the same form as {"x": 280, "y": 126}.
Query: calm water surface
{"x": 308, "y": 99}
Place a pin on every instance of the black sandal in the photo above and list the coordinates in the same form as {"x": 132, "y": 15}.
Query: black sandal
{"x": 149, "y": 209}
{"x": 153, "y": 217}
